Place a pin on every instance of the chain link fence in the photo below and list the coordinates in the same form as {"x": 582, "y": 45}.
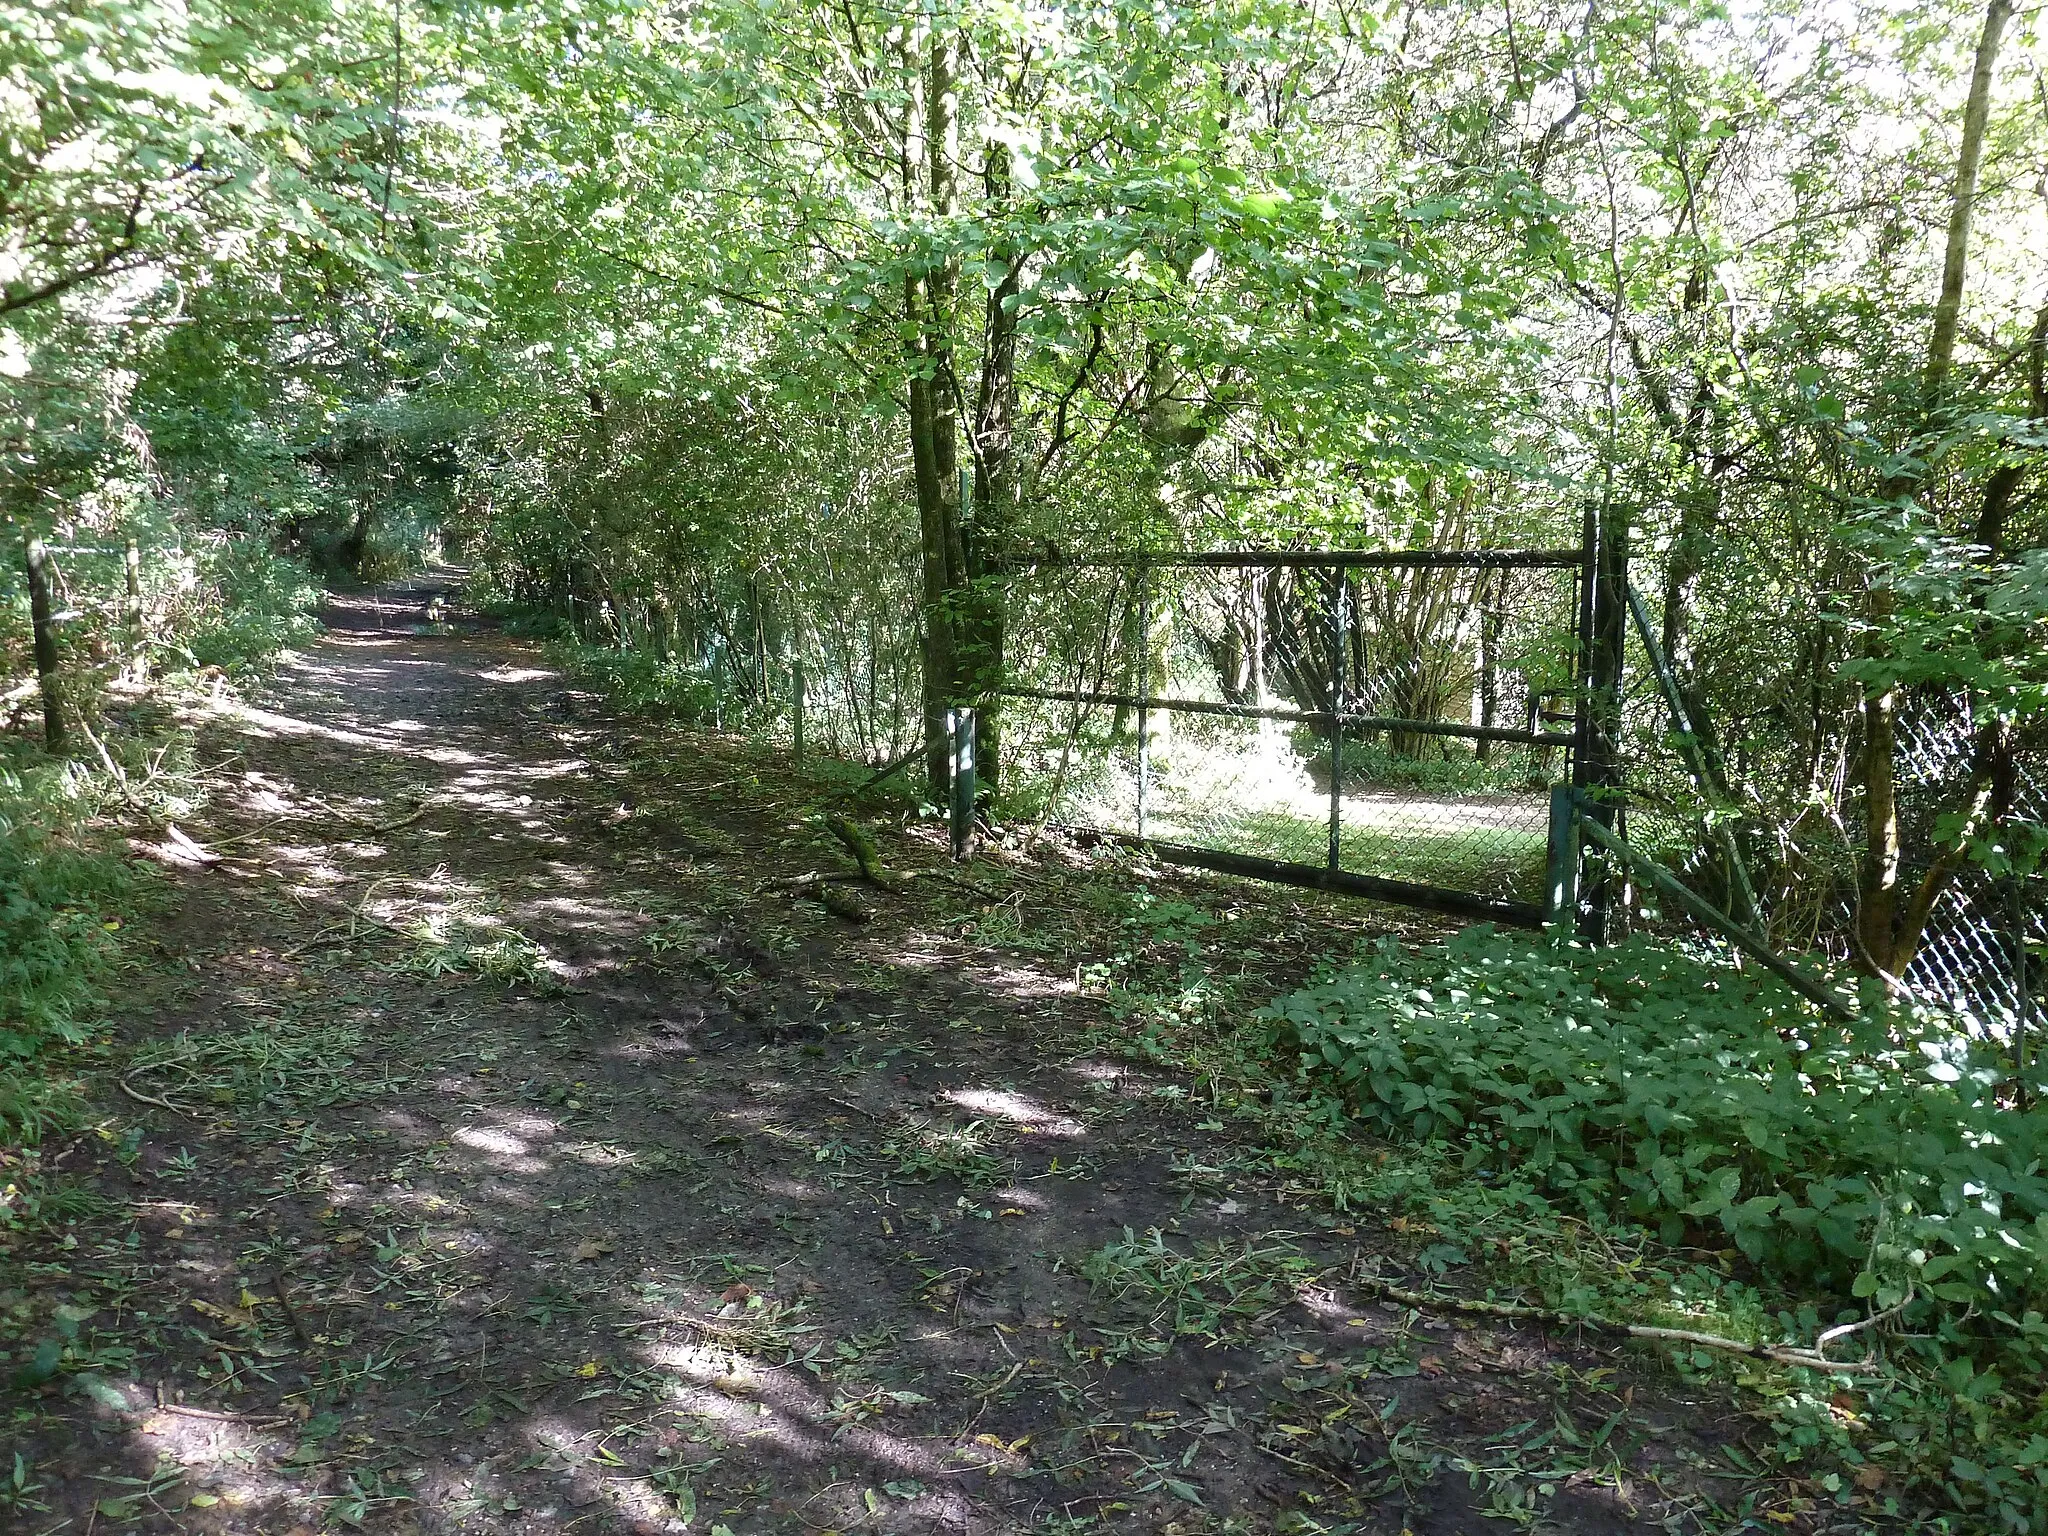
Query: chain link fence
{"x": 1984, "y": 949}
{"x": 1385, "y": 723}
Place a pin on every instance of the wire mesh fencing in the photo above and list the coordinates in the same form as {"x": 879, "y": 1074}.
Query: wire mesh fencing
{"x": 1986, "y": 938}
{"x": 1983, "y": 951}
{"x": 1383, "y": 722}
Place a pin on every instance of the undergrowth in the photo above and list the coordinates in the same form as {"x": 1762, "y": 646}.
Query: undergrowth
{"x": 62, "y": 886}
{"x": 68, "y": 887}
{"x": 1654, "y": 1135}
{"x": 249, "y": 605}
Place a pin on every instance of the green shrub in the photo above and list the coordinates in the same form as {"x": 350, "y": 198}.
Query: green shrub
{"x": 643, "y": 682}
{"x": 57, "y": 888}
{"x": 261, "y": 604}
{"x": 1673, "y": 1090}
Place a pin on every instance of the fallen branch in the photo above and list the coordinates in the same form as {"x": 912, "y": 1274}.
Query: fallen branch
{"x": 291, "y": 1313}
{"x": 140, "y": 1097}
{"x": 1814, "y": 1359}
{"x": 833, "y": 898}
{"x": 843, "y": 904}
{"x": 253, "y": 832}
{"x": 177, "y": 837}
{"x": 800, "y": 882}
{"x": 149, "y": 1098}
{"x": 965, "y": 884}
{"x": 861, "y": 844}
{"x": 212, "y": 1416}
{"x": 381, "y": 827}
{"x": 895, "y": 766}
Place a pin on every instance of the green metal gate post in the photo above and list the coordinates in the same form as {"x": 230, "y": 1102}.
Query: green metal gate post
{"x": 1561, "y": 870}
{"x": 1598, "y": 772}
{"x": 1339, "y": 676}
{"x": 1144, "y": 689}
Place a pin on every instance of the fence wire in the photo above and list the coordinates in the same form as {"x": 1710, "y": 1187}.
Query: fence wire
{"x": 1192, "y": 705}
{"x": 1984, "y": 949}
{"x": 1986, "y": 938}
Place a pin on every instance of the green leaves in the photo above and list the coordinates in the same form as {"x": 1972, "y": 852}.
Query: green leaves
{"x": 1637, "y": 1082}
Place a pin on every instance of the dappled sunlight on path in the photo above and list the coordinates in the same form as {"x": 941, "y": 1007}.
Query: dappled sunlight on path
{"x": 519, "y": 1158}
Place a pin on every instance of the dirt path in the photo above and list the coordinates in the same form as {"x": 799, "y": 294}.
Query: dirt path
{"x": 515, "y": 1162}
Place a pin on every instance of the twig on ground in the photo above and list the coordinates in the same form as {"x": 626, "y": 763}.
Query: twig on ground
{"x": 147, "y": 1098}
{"x": 213, "y": 1416}
{"x": 894, "y": 766}
{"x": 253, "y": 832}
{"x": 800, "y": 882}
{"x": 381, "y": 827}
{"x": 1814, "y": 1359}
{"x": 947, "y": 875}
{"x": 291, "y": 1313}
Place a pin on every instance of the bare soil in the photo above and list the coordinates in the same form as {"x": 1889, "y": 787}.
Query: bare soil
{"x": 520, "y": 1151}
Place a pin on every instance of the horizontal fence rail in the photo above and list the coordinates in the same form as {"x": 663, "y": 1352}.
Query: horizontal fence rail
{"x": 1340, "y": 560}
{"x": 1322, "y": 717}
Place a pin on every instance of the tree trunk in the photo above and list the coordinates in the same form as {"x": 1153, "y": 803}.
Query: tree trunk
{"x": 931, "y": 136}
{"x": 1948, "y": 309}
{"x": 44, "y": 630}
{"x": 2005, "y": 480}
{"x": 1880, "y": 904}
{"x": 986, "y": 536}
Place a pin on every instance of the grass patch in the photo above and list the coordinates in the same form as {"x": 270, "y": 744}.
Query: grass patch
{"x": 1210, "y": 1291}
{"x": 451, "y": 943}
{"x": 285, "y": 1065}
{"x": 63, "y": 889}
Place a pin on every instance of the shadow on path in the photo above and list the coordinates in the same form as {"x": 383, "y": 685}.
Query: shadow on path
{"x": 526, "y": 1160}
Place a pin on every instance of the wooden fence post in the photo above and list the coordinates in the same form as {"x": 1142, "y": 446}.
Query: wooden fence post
{"x": 796, "y": 703}
{"x": 138, "y": 642}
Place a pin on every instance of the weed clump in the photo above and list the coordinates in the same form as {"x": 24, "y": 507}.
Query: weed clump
{"x": 59, "y": 888}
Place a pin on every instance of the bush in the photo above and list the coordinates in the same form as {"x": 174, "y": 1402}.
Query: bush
{"x": 57, "y": 887}
{"x": 1674, "y": 1090}
{"x": 645, "y": 683}
{"x": 259, "y": 604}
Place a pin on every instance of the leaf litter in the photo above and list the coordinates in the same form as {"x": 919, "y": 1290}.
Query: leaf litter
{"x": 633, "y": 1195}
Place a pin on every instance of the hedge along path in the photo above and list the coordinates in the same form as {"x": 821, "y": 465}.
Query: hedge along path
{"x": 509, "y": 1143}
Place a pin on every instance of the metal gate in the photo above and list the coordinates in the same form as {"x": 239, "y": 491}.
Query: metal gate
{"x": 1384, "y": 723}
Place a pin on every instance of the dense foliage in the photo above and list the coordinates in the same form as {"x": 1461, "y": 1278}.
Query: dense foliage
{"x": 1875, "y": 1157}
{"x": 59, "y": 886}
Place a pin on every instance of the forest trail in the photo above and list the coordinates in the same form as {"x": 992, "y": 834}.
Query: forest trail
{"x": 518, "y": 1157}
